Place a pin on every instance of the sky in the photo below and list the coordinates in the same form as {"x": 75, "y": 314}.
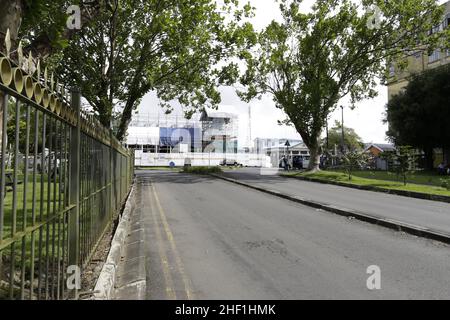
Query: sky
{"x": 366, "y": 118}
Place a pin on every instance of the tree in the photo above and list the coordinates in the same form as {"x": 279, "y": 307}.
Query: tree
{"x": 352, "y": 141}
{"x": 354, "y": 160}
{"x": 180, "y": 48}
{"x": 405, "y": 162}
{"x": 419, "y": 115}
{"x": 42, "y": 26}
{"x": 310, "y": 61}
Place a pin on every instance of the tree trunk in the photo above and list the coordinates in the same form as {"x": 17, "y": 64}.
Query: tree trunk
{"x": 314, "y": 151}
{"x": 10, "y": 18}
{"x": 429, "y": 158}
{"x": 124, "y": 121}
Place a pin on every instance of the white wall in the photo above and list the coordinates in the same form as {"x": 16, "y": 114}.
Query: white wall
{"x": 199, "y": 159}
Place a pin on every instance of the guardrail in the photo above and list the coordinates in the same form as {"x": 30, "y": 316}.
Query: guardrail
{"x": 63, "y": 180}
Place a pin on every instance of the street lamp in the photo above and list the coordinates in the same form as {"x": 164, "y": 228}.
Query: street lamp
{"x": 342, "y": 129}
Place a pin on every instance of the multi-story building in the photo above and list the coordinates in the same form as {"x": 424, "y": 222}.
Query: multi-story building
{"x": 209, "y": 138}
{"x": 219, "y": 132}
{"x": 214, "y": 131}
{"x": 420, "y": 60}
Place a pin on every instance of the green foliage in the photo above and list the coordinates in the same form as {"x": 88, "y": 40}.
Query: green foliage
{"x": 445, "y": 183}
{"x": 181, "y": 49}
{"x": 44, "y": 25}
{"x": 376, "y": 181}
{"x": 419, "y": 115}
{"x": 354, "y": 160}
{"x": 309, "y": 61}
{"x": 202, "y": 170}
{"x": 352, "y": 141}
{"x": 11, "y": 127}
{"x": 404, "y": 161}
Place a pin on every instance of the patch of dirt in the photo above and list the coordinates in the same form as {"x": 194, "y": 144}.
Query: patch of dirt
{"x": 92, "y": 271}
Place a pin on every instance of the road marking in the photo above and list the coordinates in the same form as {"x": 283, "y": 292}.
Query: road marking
{"x": 162, "y": 255}
{"x": 171, "y": 239}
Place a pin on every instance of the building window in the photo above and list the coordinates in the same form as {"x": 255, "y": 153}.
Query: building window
{"x": 434, "y": 56}
{"x": 437, "y": 29}
{"x": 447, "y": 20}
{"x": 391, "y": 70}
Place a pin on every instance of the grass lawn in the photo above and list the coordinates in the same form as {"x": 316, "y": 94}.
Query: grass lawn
{"x": 420, "y": 177}
{"x": 419, "y": 182}
{"x": 202, "y": 170}
{"x": 41, "y": 197}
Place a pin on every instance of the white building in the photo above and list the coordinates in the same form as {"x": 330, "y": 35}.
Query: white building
{"x": 207, "y": 139}
{"x": 296, "y": 152}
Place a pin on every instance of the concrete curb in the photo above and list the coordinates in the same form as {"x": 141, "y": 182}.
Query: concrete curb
{"x": 381, "y": 221}
{"x": 105, "y": 283}
{"x": 409, "y": 194}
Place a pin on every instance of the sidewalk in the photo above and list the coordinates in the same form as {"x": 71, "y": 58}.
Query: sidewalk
{"x": 423, "y": 215}
{"x": 130, "y": 282}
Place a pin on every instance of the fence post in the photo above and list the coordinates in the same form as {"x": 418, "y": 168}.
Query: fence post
{"x": 74, "y": 187}
{"x": 111, "y": 177}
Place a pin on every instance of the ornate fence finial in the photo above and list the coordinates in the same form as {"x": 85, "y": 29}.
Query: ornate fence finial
{"x": 52, "y": 81}
{"x": 30, "y": 64}
{"x": 8, "y": 43}
{"x": 38, "y": 70}
{"x": 20, "y": 55}
{"x": 45, "y": 76}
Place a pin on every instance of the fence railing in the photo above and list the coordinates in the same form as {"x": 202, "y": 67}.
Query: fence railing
{"x": 63, "y": 180}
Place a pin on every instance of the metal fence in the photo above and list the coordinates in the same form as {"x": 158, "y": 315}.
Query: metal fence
{"x": 64, "y": 178}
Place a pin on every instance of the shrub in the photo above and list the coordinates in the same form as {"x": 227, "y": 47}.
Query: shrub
{"x": 445, "y": 184}
{"x": 354, "y": 160}
{"x": 202, "y": 170}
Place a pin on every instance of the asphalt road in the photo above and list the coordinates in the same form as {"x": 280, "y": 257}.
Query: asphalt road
{"x": 425, "y": 213}
{"x": 209, "y": 239}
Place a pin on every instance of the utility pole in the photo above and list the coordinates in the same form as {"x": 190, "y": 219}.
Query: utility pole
{"x": 249, "y": 134}
{"x": 342, "y": 128}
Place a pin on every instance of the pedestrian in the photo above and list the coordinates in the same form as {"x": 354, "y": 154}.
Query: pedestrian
{"x": 441, "y": 169}
{"x": 285, "y": 163}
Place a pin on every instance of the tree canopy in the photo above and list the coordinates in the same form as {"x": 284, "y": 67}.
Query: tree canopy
{"x": 42, "y": 24}
{"x": 309, "y": 61}
{"x": 182, "y": 49}
{"x": 419, "y": 115}
{"x": 352, "y": 141}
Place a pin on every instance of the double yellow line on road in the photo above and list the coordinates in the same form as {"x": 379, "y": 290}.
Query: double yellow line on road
{"x": 165, "y": 263}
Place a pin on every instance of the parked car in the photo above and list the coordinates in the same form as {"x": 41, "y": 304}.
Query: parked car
{"x": 230, "y": 163}
{"x": 297, "y": 162}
